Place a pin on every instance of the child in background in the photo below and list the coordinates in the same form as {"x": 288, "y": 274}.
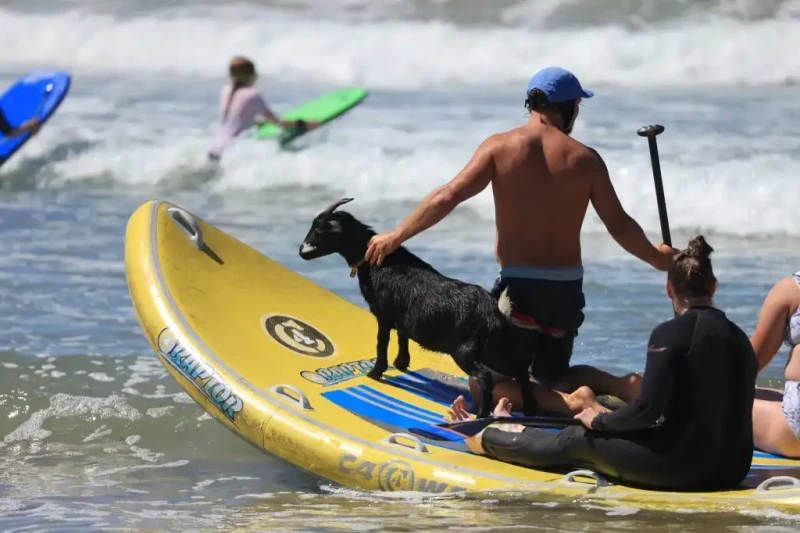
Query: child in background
{"x": 240, "y": 105}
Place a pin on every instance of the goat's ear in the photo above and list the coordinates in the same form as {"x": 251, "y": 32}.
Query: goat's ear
{"x": 331, "y": 208}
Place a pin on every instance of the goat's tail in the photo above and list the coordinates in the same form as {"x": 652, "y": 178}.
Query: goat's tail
{"x": 504, "y": 303}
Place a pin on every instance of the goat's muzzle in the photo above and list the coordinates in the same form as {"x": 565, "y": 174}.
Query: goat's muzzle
{"x": 307, "y": 251}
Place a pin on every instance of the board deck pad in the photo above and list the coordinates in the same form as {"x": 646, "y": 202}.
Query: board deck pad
{"x": 322, "y": 109}
{"x": 28, "y": 98}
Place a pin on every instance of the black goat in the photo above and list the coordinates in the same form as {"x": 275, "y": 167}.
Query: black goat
{"x": 439, "y": 313}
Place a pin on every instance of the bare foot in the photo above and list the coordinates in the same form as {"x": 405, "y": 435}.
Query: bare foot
{"x": 458, "y": 412}
{"x": 503, "y": 408}
{"x": 583, "y": 398}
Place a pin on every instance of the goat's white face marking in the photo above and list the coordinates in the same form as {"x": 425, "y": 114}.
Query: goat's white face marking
{"x": 307, "y": 248}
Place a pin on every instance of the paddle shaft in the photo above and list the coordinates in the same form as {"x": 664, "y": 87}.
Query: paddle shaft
{"x": 651, "y": 132}
{"x": 471, "y": 427}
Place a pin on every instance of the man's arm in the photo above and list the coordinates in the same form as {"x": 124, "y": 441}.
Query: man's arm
{"x": 8, "y": 130}
{"x": 624, "y": 229}
{"x": 472, "y": 179}
{"x": 772, "y": 318}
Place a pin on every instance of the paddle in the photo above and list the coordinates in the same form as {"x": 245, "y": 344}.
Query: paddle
{"x": 469, "y": 428}
{"x": 651, "y": 132}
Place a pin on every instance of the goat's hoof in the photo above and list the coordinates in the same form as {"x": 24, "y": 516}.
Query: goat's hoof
{"x": 375, "y": 375}
{"x": 401, "y": 364}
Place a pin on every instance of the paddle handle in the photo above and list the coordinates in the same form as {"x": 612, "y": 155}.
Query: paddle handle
{"x": 651, "y": 132}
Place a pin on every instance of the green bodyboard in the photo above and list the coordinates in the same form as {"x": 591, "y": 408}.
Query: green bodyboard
{"x": 322, "y": 109}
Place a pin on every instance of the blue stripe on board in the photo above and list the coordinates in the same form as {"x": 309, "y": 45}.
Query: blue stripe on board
{"x": 390, "y": 403}
{"x": 425, "y": 387}
{"x": 361, "y": 406}
{"x": 765, "y": 455}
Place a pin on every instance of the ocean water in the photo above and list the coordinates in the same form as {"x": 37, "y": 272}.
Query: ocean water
{"x": 96, "y": 435}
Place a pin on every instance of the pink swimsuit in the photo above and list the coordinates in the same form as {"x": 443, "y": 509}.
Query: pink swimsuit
{"x": 244, "y": 107}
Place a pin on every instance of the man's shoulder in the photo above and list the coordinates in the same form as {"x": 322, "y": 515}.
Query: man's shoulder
{"x": 586, "y": 158}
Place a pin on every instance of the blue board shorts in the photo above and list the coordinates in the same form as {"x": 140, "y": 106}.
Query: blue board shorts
{"x": 549, "y": 304}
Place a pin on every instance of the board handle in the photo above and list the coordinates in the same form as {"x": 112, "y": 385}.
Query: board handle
{"x": 599, "y": 480}
{"x": 418, "y": 444}
{"x": 301, "y": 400}
{"x": 188, "y": 225}
{"x": 767, "y": 484}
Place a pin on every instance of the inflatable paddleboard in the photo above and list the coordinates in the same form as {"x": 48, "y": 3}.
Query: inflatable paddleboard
{"x": 282, "y": 362}
{"x": 322, "y": 109}
{"x": 36, "y": 95}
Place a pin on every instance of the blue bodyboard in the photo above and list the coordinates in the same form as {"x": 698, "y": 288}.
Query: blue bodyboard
{"x": 36, "y": 95}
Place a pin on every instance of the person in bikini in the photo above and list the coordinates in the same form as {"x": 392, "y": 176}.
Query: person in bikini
{"x": 776, "y": 417}
{"x": 542, "y": 182}
{"x": 241, "y": 106}
{"x": 689, "y": 428}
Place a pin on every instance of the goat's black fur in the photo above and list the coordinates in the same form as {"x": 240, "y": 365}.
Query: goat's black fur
{"x": 439, "y": 313}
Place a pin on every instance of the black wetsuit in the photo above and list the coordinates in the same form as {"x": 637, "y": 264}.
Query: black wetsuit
{"x": 700, "y": 377}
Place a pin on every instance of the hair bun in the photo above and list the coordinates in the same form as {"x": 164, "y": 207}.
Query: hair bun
{"x": 699, "y": 248}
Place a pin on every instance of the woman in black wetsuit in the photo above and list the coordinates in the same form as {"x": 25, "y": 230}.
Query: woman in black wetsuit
{"x": 690, "y": 428}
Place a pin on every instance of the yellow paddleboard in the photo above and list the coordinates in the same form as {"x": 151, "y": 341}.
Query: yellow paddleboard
{"x": 281, "y": 362}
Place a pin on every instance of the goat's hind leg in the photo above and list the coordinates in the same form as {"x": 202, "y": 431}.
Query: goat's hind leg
{"x": 466, "y": 358}
{"x": 382, "y": 362}
{"x": 529, "y": 405}
{"x": 486, "y": 388}
{"x": 403, "y": 358}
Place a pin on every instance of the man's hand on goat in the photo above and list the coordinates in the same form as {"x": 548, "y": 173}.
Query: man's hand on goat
{"x": 380, "y": 246}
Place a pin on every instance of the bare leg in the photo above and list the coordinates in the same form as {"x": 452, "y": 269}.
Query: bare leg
{"x": 548, "y": 400}
{"x": 771, "y": 431}
{"x": 625, "y": 387}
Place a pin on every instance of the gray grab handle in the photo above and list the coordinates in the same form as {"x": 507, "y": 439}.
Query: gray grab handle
{"x": 187, "y": 224}
{"x": 767, "y": 484}
{"x": 600, "y": 481}
{"x": 301, "y": 400}
{"x": 418, "y": 444}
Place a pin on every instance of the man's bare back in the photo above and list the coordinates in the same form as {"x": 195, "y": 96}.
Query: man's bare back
{"x": 542, "y": 186}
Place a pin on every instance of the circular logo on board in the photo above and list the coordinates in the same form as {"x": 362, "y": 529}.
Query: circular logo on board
{"x": 396, "y": 476}
{"x": 298, "y": 336}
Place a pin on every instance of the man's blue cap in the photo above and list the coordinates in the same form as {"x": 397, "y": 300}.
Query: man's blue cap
{"x": 560, "y": 85}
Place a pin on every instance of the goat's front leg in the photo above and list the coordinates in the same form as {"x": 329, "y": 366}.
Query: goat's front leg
{"x": 382, "y": 363}
{"x": 403, "y": 358}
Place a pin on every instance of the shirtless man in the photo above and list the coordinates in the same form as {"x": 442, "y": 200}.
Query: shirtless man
{"x": 542, "y": 182}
